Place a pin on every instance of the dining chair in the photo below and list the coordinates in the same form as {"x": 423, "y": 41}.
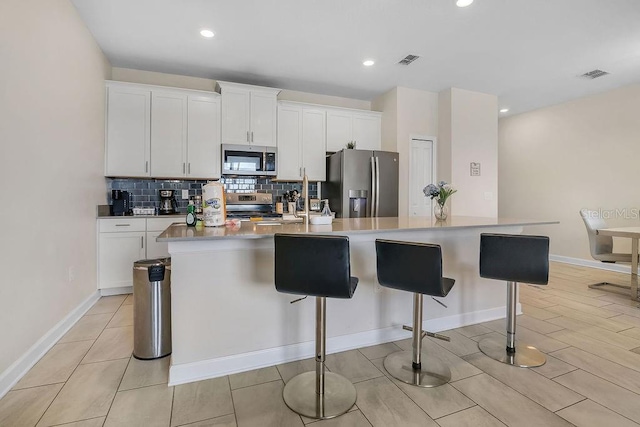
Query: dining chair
{"x": 601, "y": 247}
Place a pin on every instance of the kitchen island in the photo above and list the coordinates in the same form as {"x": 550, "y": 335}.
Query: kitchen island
{"x": 227, "y": 316}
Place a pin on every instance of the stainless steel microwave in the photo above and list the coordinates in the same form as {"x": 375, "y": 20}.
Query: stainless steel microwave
{"x": 248, "y": 160}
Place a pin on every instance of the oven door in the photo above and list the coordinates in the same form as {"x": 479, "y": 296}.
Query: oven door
{"x": 248, "y": 160}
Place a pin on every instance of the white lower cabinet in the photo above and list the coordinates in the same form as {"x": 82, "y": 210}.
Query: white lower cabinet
{"x": 121, "y": 242}
{"x": 155, "y": 227}
{"x": 116, "y": 254}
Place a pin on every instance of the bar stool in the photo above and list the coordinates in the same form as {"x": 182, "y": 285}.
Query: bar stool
{"x": 318, "y": 266}
{"x": 417, "y": 268}
{"x": 514, "y": 259}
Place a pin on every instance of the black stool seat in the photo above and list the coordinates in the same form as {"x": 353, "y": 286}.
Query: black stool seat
{"x": 417, "y": 268}
{"x": 412, "y": 267}
{"x": 316, "y": 265}
{"x": 514, "y": 258}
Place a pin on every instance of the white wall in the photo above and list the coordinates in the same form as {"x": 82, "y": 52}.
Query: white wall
{"x": 581, "y": 154}
{"x": 417, "y": 115}
{"x": 187, "y": 82}
{"x": 470, "y": 133}
{"x": 406, "y": 112}
{"x": 387, "y": 103}
{"x": 51, "y": 165}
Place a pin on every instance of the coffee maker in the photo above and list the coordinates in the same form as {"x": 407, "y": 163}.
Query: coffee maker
{"x": 120, "y": 205}
{"x": 168, "y": 204}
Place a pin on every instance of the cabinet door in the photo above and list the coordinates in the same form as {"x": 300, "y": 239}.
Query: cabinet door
{"x": 203, "y": 146}
{"x": 235, "y": 116}
{"x": 314, "y": 143}
{"x": 263, "y": 119}
{"x": 156, "y": 249}
{"x": 289, "y": 140}
{"x": 367, "y": 131}
{"x": 128, "y": 132}
{"x": 339, "y": 130}
{"x": 168, "y": 134}
{"x": 117, "y": 253}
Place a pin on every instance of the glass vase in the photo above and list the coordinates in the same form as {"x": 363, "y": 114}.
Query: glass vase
{"x": 440, "y": 211}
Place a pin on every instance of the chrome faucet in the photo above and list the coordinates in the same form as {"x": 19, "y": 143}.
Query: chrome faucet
{"x": 305, "y": 188}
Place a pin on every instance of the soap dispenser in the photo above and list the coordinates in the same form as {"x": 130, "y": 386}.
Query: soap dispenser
{"x": 326, "y": 211}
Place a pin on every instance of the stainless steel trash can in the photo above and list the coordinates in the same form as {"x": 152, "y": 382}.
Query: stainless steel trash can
{"x": 152, "y": 308}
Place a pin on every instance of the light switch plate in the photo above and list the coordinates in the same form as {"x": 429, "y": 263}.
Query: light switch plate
{"x": 185, "y": 194}
{"x": 488, "y": 195}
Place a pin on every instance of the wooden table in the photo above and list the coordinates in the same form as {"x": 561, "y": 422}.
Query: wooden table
{"x": 632, "y": 233}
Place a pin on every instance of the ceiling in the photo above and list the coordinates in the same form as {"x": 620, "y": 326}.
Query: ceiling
{"x": 527, "y": 52}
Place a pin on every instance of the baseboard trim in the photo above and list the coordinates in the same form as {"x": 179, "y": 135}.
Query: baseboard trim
{"x": 116, "y": 291}
{"x": 20, "y": 367}
{"x": 213, "y": 368}
{"x": 619, "y": 268}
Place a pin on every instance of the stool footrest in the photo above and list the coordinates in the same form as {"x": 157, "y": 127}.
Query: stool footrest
{"x": 428, "y": 334}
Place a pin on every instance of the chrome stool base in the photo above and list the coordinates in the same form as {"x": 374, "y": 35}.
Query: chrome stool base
{"x": 525, "y": 356}
{"x": 433, "y": 372}
{"x": 300, "y": 395}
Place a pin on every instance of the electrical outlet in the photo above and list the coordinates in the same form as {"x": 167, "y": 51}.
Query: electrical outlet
{"x": 185, "y": 194}
{"x": 72, "y": 274}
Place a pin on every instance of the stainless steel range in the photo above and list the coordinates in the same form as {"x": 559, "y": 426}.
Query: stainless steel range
{"x": 247, "y": 205}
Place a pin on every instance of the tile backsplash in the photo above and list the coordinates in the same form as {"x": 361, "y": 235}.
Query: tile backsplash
{"x": 144, "y": 192}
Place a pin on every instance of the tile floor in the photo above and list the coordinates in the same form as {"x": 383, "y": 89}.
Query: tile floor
{"x": 591, "y": 378}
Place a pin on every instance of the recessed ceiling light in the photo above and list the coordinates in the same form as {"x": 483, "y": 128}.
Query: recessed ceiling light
{"x": 368, "y": 63}
{"x": 463, "y": 3}
{"x": 504, "y": 110}
{"x": 207, "y": 33}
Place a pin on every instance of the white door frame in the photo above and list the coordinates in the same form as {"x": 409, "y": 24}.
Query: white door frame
{"x": 434, "y": 163}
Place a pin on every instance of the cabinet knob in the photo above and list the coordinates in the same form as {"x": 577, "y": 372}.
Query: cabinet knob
{"x": 247, "y": 136}
{"x": 184, "y": 168}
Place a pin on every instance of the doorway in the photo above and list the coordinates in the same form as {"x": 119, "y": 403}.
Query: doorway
{"x": 422, "y": 171}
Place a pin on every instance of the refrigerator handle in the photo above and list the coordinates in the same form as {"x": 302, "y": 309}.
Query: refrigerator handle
{"x": 373, "y": 186}
{"x": 377, "y": 186}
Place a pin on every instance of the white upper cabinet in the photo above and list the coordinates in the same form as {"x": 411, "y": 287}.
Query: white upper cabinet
{"x": 367, "y": 131}
{"x": 339, "y": 129}
{"x": 314, "y": 125}
{"x": 248, "y": 114}
{"x": 301, "y": 142}
{"x": 361, "y": 127}
{"x": 289, "y": 141}
{"x": 162, "y": 132}
{"x": 168, "y": 134}
{"x": 235, "y": 116}
{"x": 203, "y": 148}
{"x": 128, "y": 131}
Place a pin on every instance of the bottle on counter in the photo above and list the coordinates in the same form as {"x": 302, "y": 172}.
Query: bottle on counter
{"x": 192, "y": 219}
{"x": 279, "y": 205}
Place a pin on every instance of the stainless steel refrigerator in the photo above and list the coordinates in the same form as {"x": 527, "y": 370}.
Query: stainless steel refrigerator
{"x": 362, "y": 183}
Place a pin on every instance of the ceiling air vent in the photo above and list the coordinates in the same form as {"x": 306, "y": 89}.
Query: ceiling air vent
{"x": 594, "y": 74}
{"x": 408, "y": 59}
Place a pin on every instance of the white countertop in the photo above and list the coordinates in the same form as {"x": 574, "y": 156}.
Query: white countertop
{"x": 249, "y": 230}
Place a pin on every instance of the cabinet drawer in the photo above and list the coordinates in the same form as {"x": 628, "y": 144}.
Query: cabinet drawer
{"x": 161, "y": 224}
{"x": 112, "y": 225}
